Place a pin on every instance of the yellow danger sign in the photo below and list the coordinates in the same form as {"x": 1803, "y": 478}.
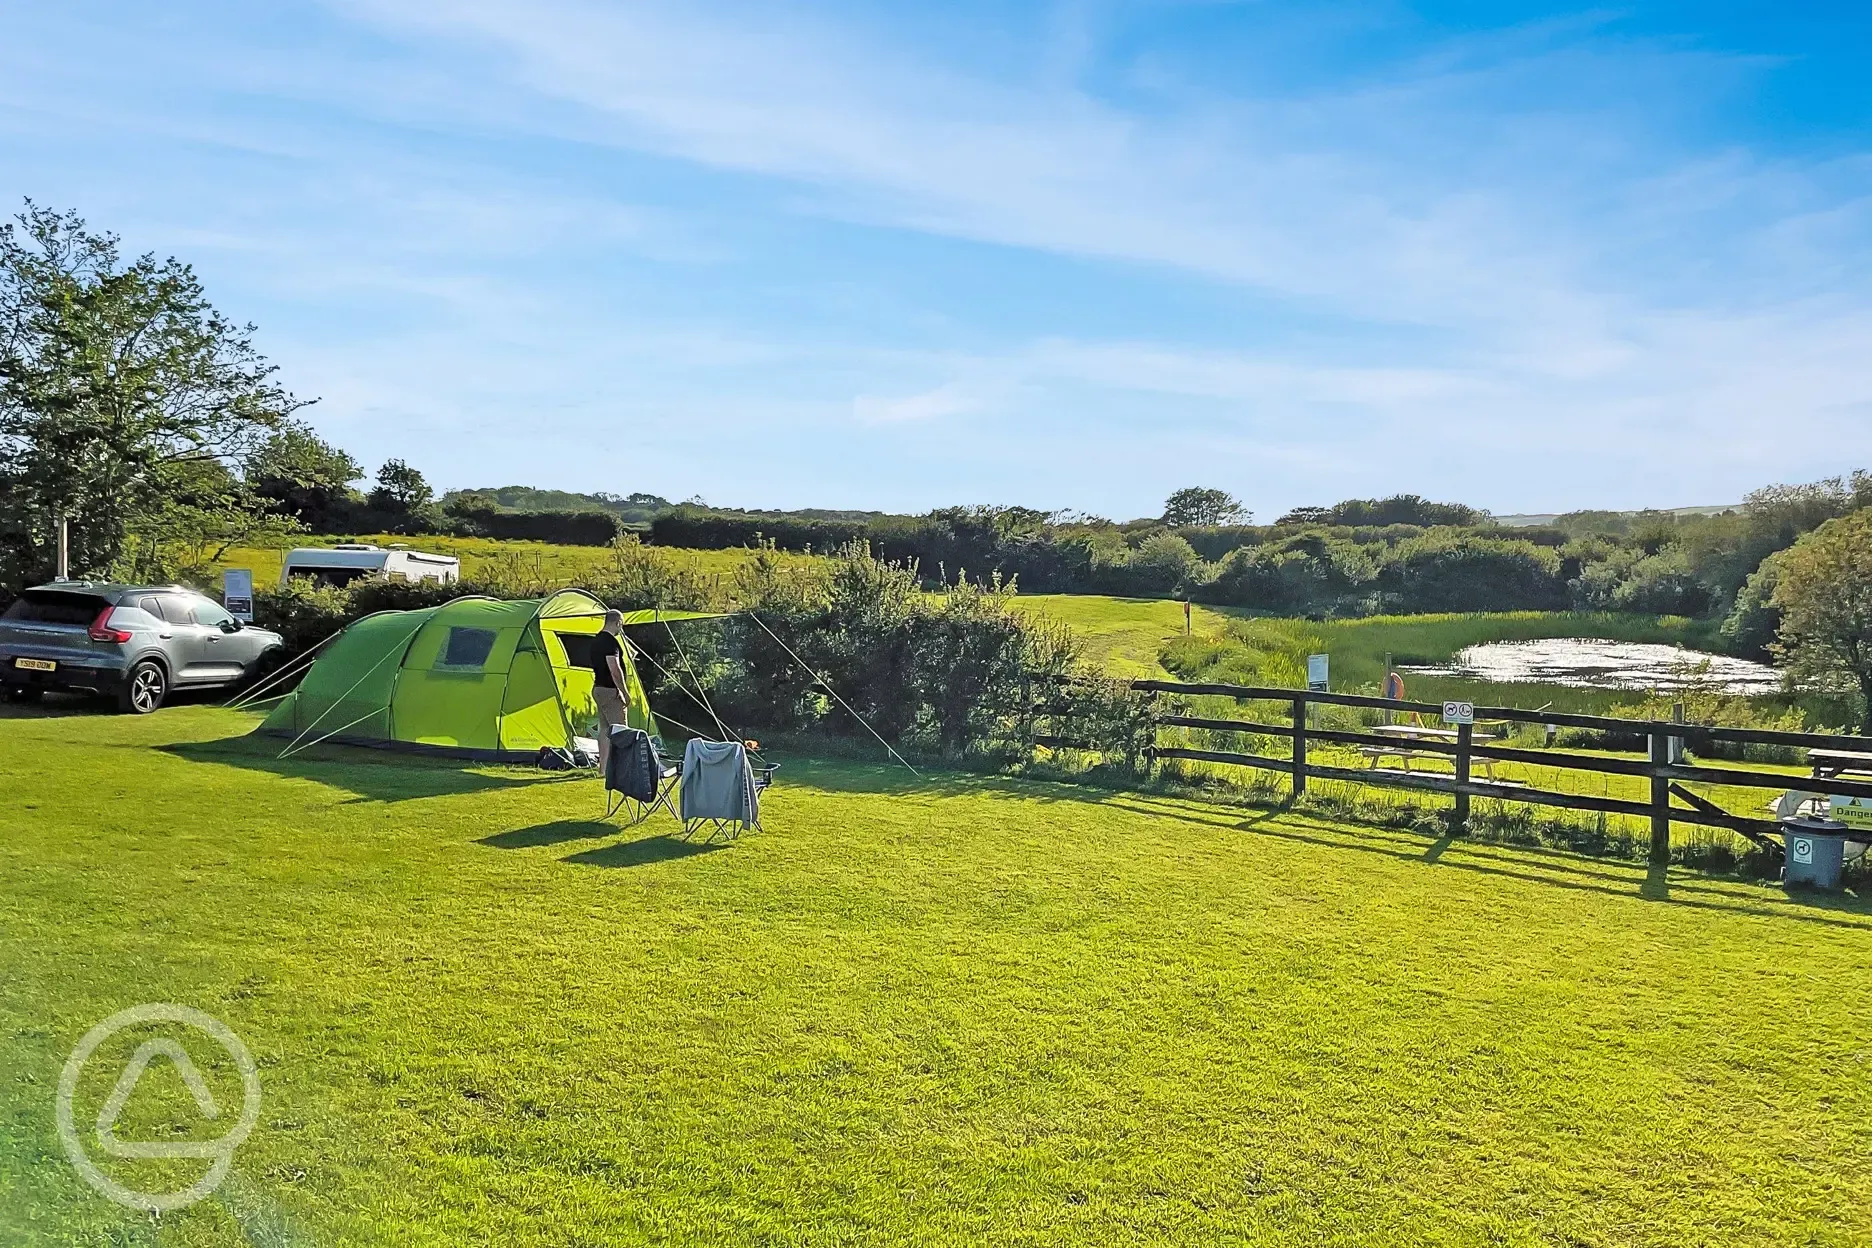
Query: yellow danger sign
{"x": 1854, "y": 812}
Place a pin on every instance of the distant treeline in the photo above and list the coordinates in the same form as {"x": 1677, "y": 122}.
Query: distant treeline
{"x": 1358, "y": 557}
{"x": 1412, "y": 556}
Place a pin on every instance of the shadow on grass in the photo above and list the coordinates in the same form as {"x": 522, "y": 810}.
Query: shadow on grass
{"x": 370, "y": 775}
{"x": 557, "y": 832}
{"x": 63, "y": 704}
{"x": 1534, "y": 866}
{"x": 55, "y": 706}
{"x": 1556, "y": 868}
{"x": 641, "y": 853}
{"x": 842, "y": 775}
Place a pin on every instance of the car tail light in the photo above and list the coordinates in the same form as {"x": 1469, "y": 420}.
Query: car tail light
{"x": 101, "y": 629}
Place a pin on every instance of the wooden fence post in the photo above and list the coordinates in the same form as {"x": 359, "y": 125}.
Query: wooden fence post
{"x": 1464, "y": 735}
{"x": 1660, "y": 800}
{"x": 1299, "y": 746}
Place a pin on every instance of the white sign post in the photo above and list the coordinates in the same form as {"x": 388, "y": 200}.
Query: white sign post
{"x": 237, "y": 593}
{"x": 1316, "y": 673}
{"x": 1459, "y": 712}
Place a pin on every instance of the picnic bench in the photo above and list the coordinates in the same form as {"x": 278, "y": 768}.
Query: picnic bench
{"x": 1839, "y": 764}
{"x": 1405, "y": 751}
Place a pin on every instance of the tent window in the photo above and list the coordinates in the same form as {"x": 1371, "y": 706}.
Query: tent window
{"x": 468, "y": 647}
{"x": 578, "y": 648}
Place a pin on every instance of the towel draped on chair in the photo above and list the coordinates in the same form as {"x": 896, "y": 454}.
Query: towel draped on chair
{"x": 718, "y": 784}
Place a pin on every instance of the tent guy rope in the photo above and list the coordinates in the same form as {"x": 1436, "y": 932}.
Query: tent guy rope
{"x": 827, "y": 686}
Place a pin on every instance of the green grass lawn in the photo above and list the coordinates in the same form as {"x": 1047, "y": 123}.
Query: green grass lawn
{"x": 962, "y": 1011}
{"x": 1122, "y": 635}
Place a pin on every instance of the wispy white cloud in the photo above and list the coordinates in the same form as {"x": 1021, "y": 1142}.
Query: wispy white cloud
{"x": 954, "y": 398}
{"x": 1473, "y": 268}
{"x": 1436, "y": 194}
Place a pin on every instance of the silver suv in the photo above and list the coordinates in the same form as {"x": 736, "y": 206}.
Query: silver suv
{"x": 133, "y": 643}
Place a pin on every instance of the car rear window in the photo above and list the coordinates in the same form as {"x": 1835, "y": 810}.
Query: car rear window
{"x": 38, "y": 606}
{"x": 176, "y": 609}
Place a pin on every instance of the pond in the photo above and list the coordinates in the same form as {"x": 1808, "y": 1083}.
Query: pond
{"x": 1588, "y": 663}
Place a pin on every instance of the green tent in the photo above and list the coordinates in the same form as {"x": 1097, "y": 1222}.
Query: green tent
{"x": 476, "y": 677}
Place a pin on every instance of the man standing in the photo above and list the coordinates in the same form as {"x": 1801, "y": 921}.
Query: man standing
{"x": 608, "y": 683}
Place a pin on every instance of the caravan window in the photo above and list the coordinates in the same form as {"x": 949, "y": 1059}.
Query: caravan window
{"x": 468, "y": 647}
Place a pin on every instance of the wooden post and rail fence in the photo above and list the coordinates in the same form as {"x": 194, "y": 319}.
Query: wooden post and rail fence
{"x": 1667, "y": 777}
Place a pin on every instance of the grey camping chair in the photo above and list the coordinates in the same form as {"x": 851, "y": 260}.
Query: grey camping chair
{"x": 639, "y": 779}
{"x": 721, "y": 788}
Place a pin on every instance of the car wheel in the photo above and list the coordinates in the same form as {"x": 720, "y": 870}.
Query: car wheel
{"x": 144, "y": 688}
{"x": 16, "y": 694}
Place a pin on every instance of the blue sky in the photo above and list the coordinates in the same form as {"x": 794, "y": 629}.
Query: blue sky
{"x": 1072, "y": 255}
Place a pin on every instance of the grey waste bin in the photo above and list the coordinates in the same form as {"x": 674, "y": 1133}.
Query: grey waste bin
{"x": 1816, "y": 852}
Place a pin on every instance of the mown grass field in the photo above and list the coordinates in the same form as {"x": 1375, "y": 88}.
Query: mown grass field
{"x": 959, "y": 1011}
{"x": 482, "y": 556}
{"x": 1122, "y": 635}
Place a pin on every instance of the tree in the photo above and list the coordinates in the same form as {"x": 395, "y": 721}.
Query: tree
{"x": 465, "y": 503}
{"x": 1754, "y": 622}
{"x": 1824, "y": 591}
{"x": 123, "y": 396}
{"x": 1198, "y": 506}
{"x": 301, "y": 475}
{"x": 1403, "y": 509}
{"x": 400, "y": 488}
{"x": 1163, "y": 562}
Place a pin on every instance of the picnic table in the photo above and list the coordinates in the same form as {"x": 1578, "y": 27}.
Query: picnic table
{"x": 1834, "y": 764}
{"x": 1404, "y": 751}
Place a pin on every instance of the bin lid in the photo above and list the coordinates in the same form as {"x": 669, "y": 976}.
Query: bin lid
{"x": 1807, "y": 825}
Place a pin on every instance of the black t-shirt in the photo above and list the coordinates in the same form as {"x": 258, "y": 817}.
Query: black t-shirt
{"x": 604, "y": 645}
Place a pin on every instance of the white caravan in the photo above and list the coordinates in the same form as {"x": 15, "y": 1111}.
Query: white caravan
{"x": 351, "y": 561}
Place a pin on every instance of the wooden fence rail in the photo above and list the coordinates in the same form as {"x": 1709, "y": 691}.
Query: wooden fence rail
{"x": 1666, "y": 777}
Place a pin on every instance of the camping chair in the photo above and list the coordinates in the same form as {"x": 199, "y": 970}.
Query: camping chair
{"x": 721, "y": 789}
{"x": 664, "y": 777}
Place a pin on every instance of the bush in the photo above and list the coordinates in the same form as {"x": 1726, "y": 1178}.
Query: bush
{"x": 1313, "y": 570}
{"x": 1661, "y": 584}
{"x": 696, "y": 528}
{"x": 1162, "y": 562}
{"x": 1754, "y": 622}
{"x": 302, "y": 613}
{"x": 567, "y": 528}
{"x": 1469, "y": 573}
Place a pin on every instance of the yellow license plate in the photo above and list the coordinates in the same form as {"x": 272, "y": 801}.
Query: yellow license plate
{"x": 36, "y": 665}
